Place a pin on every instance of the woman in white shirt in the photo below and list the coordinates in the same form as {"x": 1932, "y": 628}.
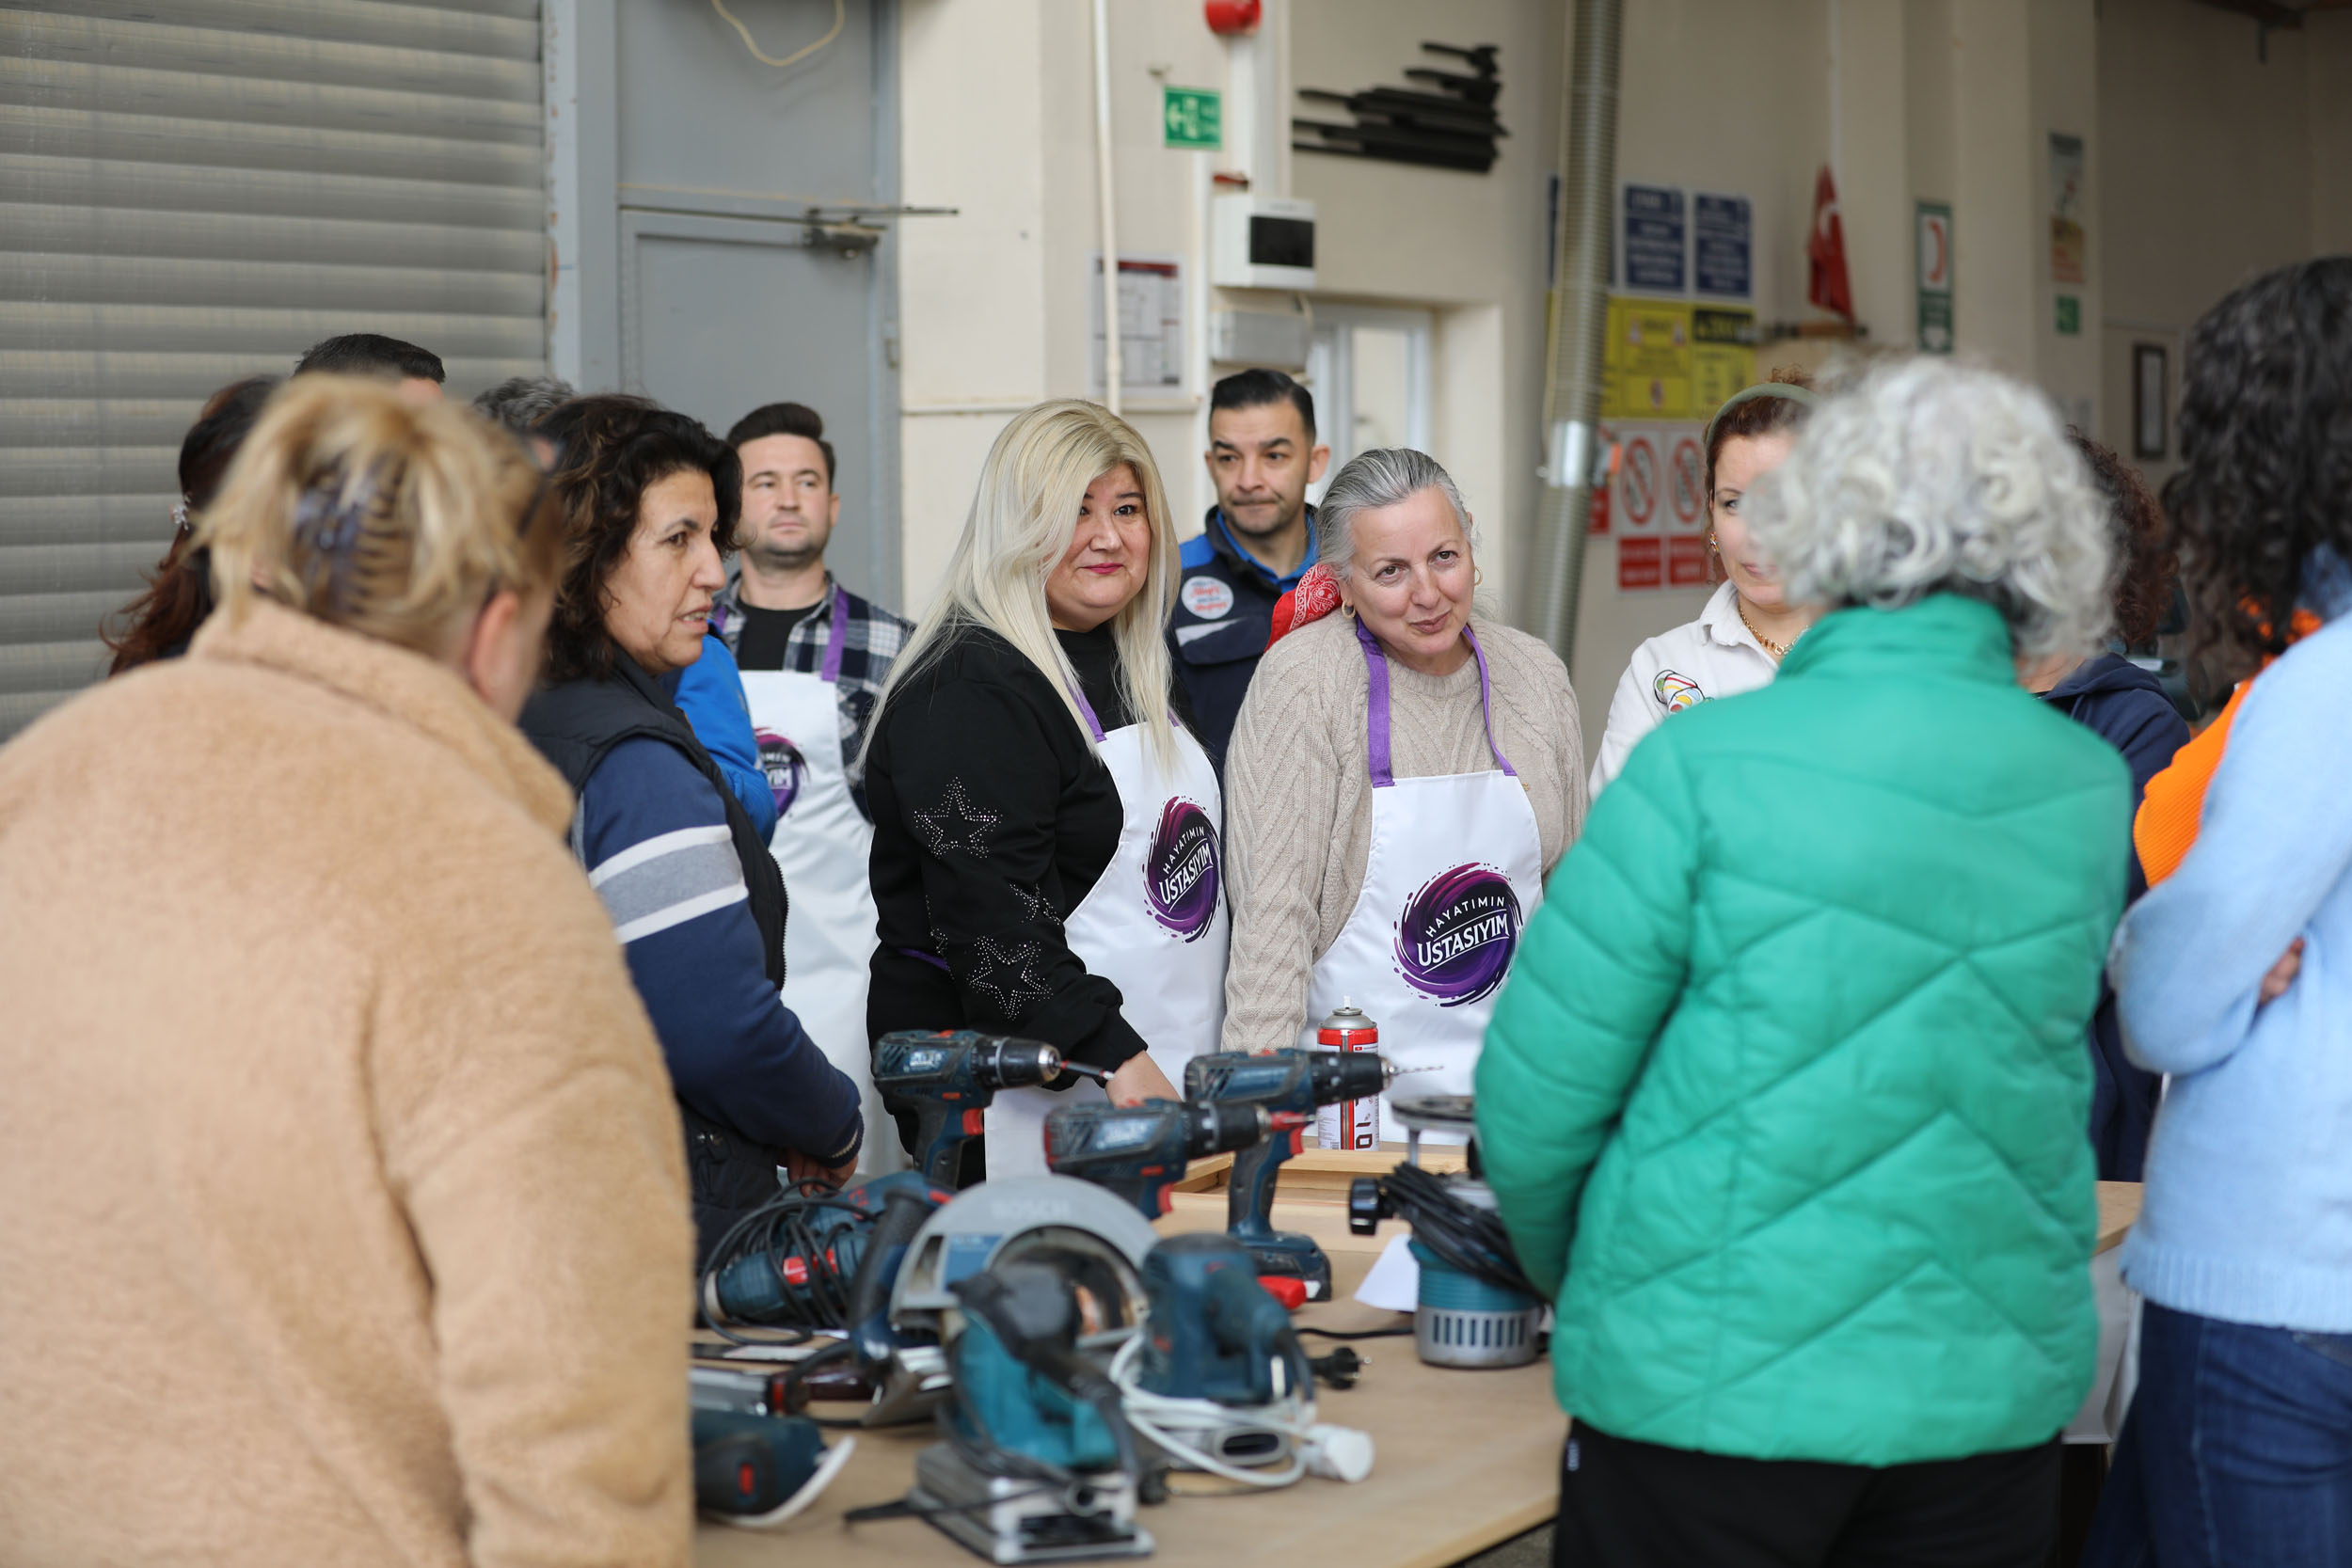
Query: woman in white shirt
{"x": 1747, "y": 627}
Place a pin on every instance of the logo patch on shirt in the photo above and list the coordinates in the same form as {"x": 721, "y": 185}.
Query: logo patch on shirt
{"x": 786, "y": 769}
{"x": 1675, "y": 692}
{"x": 1207, "y": 597}
{"x": 1455, "y": 937}
{"x": 1181, "y": 877}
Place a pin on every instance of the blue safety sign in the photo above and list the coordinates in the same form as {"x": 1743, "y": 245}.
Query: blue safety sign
{"x": 1722, "y": 235}
{"x": 1656, "y": 240}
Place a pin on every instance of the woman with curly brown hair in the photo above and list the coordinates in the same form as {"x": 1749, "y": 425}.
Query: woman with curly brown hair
{"x": 2239, "y": 1448}
{"x": 650, "y": 500}
{"x": 2127, "y": 707}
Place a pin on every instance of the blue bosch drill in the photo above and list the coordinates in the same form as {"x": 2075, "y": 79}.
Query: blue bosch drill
{"x": 1292, "y": 1081}
{"x": 1139, "y": 1151}
{"x": 951, "y": 1076}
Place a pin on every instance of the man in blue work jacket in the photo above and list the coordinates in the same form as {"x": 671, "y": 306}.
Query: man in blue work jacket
{"x": 1258, "y": 540}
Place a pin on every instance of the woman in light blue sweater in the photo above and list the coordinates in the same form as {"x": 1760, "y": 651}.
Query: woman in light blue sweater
{"x": 2235, "y": 977}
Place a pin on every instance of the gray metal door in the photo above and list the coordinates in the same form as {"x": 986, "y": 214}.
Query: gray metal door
{"x": 746, "y": 275}
{"x": 188, "y": 202}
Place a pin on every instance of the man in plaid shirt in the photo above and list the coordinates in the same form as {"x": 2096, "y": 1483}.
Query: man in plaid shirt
{"x": 781, "y": 611}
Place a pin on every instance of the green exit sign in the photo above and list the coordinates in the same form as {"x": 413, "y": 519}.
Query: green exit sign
{"x": 1193, "y": 116}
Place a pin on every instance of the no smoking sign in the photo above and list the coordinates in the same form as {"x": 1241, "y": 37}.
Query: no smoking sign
{"x": 1638, "y": 480}
{"x": 1660, "y": 499}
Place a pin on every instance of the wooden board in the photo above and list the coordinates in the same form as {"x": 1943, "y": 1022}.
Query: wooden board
{"x": 1465, "y": 1460}
{"x": 2119, "y": 1207}
{"x": 1324, "y": 1172}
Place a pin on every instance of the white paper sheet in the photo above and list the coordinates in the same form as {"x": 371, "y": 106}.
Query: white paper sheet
{"x": 1394, "y": 1280}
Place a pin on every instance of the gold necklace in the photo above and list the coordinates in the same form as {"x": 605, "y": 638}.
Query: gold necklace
{"x": 1778, "y": 649}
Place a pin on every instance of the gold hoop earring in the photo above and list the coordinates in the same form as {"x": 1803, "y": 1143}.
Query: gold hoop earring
{"x": 1478, "y": 576}
{"x": 1347, "y": 609}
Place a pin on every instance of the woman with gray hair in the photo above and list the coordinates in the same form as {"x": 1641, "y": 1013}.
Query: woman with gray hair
{"x": 1402, "y": 776}
{"x": 1785, "y": 1101}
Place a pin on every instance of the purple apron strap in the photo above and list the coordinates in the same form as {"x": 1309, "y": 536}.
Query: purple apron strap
{"x": 932, "y": 959}
{"x": 832, "y": 670}
{"x": 1094, "y": 725}
{"x": 1487, "y": 701}
{"x": 1376, "y": 710}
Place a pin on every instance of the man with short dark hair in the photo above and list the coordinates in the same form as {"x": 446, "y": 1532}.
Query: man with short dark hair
{"x": 813, "y": 657}
{"x": 1258, "y": 540}
{"x": 417, "y": 370}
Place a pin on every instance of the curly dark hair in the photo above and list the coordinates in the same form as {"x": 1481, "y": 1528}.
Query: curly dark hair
{"x": 2265, "y": 474}
{"x": 179, "y": 598}
{"x": 609, "y": 449}
{"x": 2145, "y": 562}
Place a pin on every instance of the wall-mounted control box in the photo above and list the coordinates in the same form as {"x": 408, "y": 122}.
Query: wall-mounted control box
{"x": 1261, "y": 242}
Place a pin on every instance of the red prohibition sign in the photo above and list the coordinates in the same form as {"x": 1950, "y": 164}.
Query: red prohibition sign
{"x": 1689, "y": 479}
{"x": 1640, "y": 481}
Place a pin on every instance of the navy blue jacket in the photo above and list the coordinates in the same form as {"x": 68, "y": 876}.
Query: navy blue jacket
{"x": 2128, "y": 706}
{"x": 1224, "y": 615}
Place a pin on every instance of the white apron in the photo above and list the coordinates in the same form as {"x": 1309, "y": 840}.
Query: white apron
{"x": 822, "y": 843}
{"x": 1155, "y": 925}
{"x": 1456, "y": 869}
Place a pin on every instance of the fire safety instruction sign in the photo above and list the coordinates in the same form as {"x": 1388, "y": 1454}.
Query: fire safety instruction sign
{"x": 1671, "y": 360}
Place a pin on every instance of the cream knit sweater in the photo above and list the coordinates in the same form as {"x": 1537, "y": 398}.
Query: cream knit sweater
{"x": 1298, "y": 792}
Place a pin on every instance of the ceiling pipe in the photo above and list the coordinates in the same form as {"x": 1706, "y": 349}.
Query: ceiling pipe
{"x": 1114, "y": 357}
{"x": 1580, "y": 314}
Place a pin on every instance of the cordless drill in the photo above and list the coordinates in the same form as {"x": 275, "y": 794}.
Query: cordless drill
{"x": 1139, "y": 1151}
{"x": 1292, "y": 1081}
{"x": 952, "y": 1076}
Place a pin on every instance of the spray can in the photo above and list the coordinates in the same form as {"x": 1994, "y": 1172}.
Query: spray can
{"x": 1351, "y": 1123}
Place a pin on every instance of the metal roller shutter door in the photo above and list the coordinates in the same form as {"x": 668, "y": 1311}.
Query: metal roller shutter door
{"x": 190, "y": 200}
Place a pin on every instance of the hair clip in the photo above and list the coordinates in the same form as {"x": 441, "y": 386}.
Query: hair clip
{"x": 329, "y": 521}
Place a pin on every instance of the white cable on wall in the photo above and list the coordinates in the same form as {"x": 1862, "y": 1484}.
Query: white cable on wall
{"x": 1114, "y": 359}
{"x": 839, "y": 15}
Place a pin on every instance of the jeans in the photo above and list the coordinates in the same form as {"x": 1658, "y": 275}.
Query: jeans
{"x": 2237, "y": 1452}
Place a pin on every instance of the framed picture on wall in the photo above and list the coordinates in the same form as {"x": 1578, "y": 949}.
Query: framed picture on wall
{"x": 2151, "y": 418}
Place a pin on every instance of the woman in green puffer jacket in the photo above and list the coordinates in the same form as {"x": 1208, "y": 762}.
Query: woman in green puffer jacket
{"x": 1785, "y": 1094}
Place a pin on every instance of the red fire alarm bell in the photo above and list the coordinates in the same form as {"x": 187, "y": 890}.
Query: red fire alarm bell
{"x": 1227, "y": 17}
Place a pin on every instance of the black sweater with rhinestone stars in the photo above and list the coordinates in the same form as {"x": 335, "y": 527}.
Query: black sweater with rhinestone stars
{"x": 993, "y": 820}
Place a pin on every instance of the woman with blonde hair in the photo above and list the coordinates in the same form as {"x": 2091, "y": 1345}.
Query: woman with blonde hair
{"x": 1047, "y": 854}
{"x": 331, "y": 1037}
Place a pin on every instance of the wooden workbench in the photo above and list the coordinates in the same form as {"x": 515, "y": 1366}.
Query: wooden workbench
{"x": 1465, "y": 1459}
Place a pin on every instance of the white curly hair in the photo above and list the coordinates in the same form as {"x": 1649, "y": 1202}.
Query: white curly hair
{"x": 1927, "y": 477}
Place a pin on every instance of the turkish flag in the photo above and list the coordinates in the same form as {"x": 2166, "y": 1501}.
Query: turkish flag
{"x": 1827, "y": 250}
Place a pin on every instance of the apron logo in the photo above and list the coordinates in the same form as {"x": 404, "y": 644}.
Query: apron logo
{"x": 1179, "y": 876}
{"x": 1677, "y": 691}
{"x": 1455, "y": 938}
{"x": 1207, "y": 599}
{"x": 786, "y": 769}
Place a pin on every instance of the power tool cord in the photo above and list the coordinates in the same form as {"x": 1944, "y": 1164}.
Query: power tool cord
{"x": 785, "y": 1226}
{"x": 1465, "y": 1236}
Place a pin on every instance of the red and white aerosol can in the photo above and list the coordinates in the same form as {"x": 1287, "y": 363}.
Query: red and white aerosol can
{"x": 1351, "y": 1123}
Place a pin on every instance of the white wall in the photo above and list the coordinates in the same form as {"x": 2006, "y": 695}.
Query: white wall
{"x": 2204, "y": 165}
{"x": 1472, "y": 246}
{"x": 1726, "y": 95}
{"x": 2219, "y": 165}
